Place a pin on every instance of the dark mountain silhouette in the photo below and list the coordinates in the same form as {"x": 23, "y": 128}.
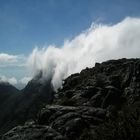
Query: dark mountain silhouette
{"x": 8, "y": 94}
{"x": 99, "y": 103}
{"x": 6, "y": 91}
{"x": 20, "y": 106}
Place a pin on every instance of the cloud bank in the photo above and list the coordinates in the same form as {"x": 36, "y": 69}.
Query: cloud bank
{"x": 19, "y": 83}
{"x": 8, "y": 58}
{"x": 98, "y": 43}
{"x": 24, "y": 80}
{"x": 11, "y": 80}
{"x": 14, "y": 65}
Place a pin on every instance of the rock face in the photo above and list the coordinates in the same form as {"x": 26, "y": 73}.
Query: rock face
{"x": 87, "y": 101}
{"x": 33, "y": 132}
{"x": 109, "y": 83}
{"x": 71, "y": 121}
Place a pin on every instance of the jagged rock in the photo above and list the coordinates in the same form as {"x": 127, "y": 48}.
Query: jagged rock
{"x": 96, "y": 100}
{"x": 89, "y": 91}
{"x": 71, "y": 121}
{"x": 32, "y": 132}
{"x": 112, "y": 97}
{"x": 51, "y": 113}
{"x": 90, "y": 88}
{"x": 90, "y": 98}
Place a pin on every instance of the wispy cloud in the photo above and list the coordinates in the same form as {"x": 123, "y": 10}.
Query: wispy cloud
{"x": 98, "y": 43}
{"x": 11, "y": 80}
{"x": 8, "y": 58}
{"x": 25, "y": 80}
{"x": 19, "y": 83}
{"x": 14, "y": 65}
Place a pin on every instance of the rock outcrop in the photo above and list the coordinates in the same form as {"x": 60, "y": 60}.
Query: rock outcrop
{"x": 91, "y": 100}
{"x": 32, "y": 132}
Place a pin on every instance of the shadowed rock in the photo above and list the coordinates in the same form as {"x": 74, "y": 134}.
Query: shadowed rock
{"x": 88, "y": 100}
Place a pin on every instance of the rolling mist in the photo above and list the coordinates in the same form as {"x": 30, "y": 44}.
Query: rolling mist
{"x": 98, "y": 43}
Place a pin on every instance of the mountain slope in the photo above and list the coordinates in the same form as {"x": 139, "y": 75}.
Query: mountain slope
{"x": 20, "y": 106}
{"x": 102, "y": 102}
{"x": 8, "y": 94}
{"x": 6, "y": 91}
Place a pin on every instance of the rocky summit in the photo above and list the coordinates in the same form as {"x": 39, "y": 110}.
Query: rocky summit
{"x": 99, "y": 103}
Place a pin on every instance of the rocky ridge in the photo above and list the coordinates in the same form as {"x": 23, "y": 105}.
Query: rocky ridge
{"x": 86, "y": 102}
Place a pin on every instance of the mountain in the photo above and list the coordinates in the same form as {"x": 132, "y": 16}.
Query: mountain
{"x": 20, "y": 106}
{"x": 99, "y": 103}
{"x": 34, "y": 96}
{"x": 8, "y": 93}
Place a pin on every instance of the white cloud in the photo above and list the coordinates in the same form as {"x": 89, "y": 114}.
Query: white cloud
{"x": 25, "y": 80}
{"x": 15, "y": 65}
{"x": 11, "y": 80}
{"x": 97, "y": 44}
{"x": 8, "y": 58}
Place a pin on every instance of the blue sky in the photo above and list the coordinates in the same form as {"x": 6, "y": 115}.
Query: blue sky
{"x": 25, "y": 24}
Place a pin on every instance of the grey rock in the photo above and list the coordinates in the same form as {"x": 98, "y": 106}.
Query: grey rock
{"x": 32, "y": 132}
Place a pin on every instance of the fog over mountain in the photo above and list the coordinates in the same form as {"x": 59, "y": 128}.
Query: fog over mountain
{"x": 98, "y": 43}
{"x": 69, "y": 70}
